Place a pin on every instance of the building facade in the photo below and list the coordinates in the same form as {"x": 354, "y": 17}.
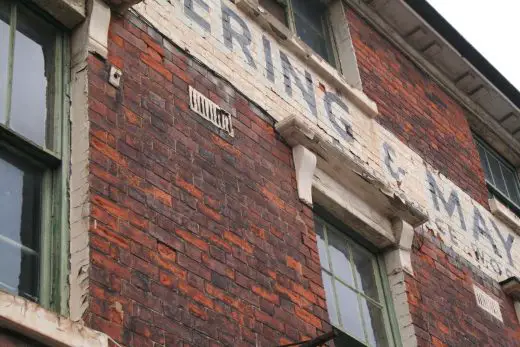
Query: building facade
{"x": 254, "y": 173}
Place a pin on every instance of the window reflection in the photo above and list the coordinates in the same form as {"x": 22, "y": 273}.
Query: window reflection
{"x": 33, "y": 46}
{"x": 20, "y": 194}
{"x": 355, "y": 302}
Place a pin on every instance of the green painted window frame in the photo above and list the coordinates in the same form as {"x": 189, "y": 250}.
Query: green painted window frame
{"x": 390, "y": 321}
{"x": 53, "y": 157}
{"x": 486, "y": 152}
{"x": 332, "y": 53}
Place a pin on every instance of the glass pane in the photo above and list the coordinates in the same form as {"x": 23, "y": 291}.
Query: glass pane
{"x": 20, "y": 197}
{"x": 4, "y": 50}
{"x": 309, "y": 19}
{"x": 322, "y": 247}
{"x": 349, "y": 311}
{"x": 374, "y": 324}
{"x": 19, "y": 269}
{"x": 497, "y": 175}
{"x": 365, "y": 272}
{"x": 340, "y": 257}
{"x": 484, "y": 162}
{"x": 33, "y": 63}
{"x": 311, "y": 36}
{"x": 331, "y": 300}
{"x": 511, "y": 183}
{"x": 311, "y": 11}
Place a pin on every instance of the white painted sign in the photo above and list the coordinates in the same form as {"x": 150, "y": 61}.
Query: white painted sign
{"x": 210, "y": 111}
{"x": 487, "y": 303}
{"x": 232, "y": 44}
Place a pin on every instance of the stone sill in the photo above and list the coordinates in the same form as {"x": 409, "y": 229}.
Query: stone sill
{"x": 289, "y": 40}
{"x": 68, "y": 12}
{"x": 503, "y": 213}
{"x": 32, "y": 320}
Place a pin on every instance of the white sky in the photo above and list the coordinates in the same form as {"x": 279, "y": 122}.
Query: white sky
{"x": 492, "y": 27}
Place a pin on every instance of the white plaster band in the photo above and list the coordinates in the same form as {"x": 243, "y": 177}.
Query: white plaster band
{"x": 31, "y": 320}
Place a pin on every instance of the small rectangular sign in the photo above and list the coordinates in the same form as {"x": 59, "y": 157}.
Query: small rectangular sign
{"x": 487, "y": 303}
{"x": 210, "y": 111}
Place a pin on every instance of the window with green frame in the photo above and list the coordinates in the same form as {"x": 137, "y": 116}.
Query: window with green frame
{"x": 354, "y": 289}
{"x": 33, "y": 155}
{"x": 501, "y": 176}
{"x": 309, "y": 19}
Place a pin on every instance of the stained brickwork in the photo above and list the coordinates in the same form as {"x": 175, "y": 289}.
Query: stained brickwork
{"x": 197, "y": 238}
{"x": 442, "y": 300}
{"x": 416, "y": 109}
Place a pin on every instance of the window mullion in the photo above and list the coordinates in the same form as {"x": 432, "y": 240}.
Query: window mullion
{"x": 358, "y": 296}
{"x": 332, "y": 277}
{"x": 62, "y": 231}
{"x": 10, "y": 64}
{"x": 46, "y": 241}
{"x": 492, "y": 179}
{"x": 504, "y": 180}
{"x": 290, "y": 15}
{"x": 27, "y": 147}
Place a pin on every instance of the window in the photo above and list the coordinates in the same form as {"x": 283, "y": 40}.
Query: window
{"x": 309, "y": 20}
{"x": 501, "y": 176}
{"x": 353, "y": 289}
{"x": 32, "y": 176}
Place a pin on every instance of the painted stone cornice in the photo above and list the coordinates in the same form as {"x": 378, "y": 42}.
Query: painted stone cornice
{"x": 121, "y": 5}
{"x": 336, "y": 160}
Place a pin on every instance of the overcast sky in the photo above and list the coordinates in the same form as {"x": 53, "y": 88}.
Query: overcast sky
{"x": 492, "y": 27}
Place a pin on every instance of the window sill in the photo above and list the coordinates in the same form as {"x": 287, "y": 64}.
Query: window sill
{"x": 68, "y": 12}
{"x": 504, "y": 214}
{"x": 318, "y": 65}
{"x": 31, "y": 320}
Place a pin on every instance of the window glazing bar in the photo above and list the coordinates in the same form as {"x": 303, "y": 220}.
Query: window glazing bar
{"x": 18, "y": 245}
{"x": 10, "y": 64}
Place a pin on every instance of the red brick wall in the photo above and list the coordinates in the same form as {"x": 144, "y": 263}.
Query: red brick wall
{"x": 417, "y": 110}
{"x": 196, "y": 239}
{"x": 442, "y": 301}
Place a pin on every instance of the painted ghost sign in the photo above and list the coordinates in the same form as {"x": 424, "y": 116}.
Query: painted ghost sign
{"x": 232, "y": 44}
{"x": 463, "y": 224}
{"x": 236, "y": 47}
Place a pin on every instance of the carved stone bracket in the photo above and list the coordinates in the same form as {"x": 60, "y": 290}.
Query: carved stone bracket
{"x": 511, "y": 287}
{"x": 305, "y": 164}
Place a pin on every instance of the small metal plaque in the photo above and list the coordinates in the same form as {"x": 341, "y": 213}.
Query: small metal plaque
{"x": 210, "y": 111}
{"x": 487, "y": 303}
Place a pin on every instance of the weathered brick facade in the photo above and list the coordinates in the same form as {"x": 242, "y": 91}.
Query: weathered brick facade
{"x": 442, "y": 302}
{"x": 196, "y": 238}
{"x": 414, "y": 108}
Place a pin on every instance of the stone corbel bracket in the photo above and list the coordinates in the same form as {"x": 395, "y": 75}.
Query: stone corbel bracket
{"x": 511, "y": 287}
{"x": 312, "y": 145}
{"x": 304, "y": 164}
{"x": 121, "y": 5}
